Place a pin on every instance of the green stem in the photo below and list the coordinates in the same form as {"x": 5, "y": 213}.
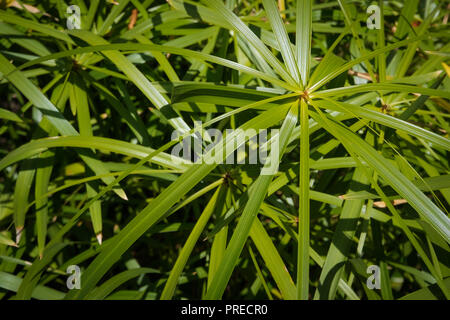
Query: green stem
{"x": 303, "y": 231}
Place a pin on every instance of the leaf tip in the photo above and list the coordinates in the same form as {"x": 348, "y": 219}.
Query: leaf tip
{"x": 99, "y": 237}
{"x": 19, "y": 231}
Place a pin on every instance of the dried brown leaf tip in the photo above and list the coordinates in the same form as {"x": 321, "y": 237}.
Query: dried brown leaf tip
{"x": 133, "y": 19}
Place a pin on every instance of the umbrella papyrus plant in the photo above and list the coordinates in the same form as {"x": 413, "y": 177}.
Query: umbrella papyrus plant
{"x": 359, "y": 115}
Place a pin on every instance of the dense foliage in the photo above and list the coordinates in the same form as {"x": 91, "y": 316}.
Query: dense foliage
{"x": 360, "y": 99}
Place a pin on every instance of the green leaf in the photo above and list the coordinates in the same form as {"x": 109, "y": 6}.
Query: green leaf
{"x": 283, "y": 39}
{"x": 50, "y": 112}
{"x": 8, "y": 115}
{"x": 237, "y": 24}
{"x": 256, "y": 197}
{"x": 429, "y": 293}
{"x": 12, "y": 283}
{"x": 113, "y": 283}
{"x": 303, "y": 38}
{"x": 169, "y": 288}
{"x": 272, "y": 260}
{"x": 421, "y": 203}
{"x": 158, "y": 207}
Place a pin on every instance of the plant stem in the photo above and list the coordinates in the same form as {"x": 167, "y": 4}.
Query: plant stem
{"x": 303, "y": 231}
